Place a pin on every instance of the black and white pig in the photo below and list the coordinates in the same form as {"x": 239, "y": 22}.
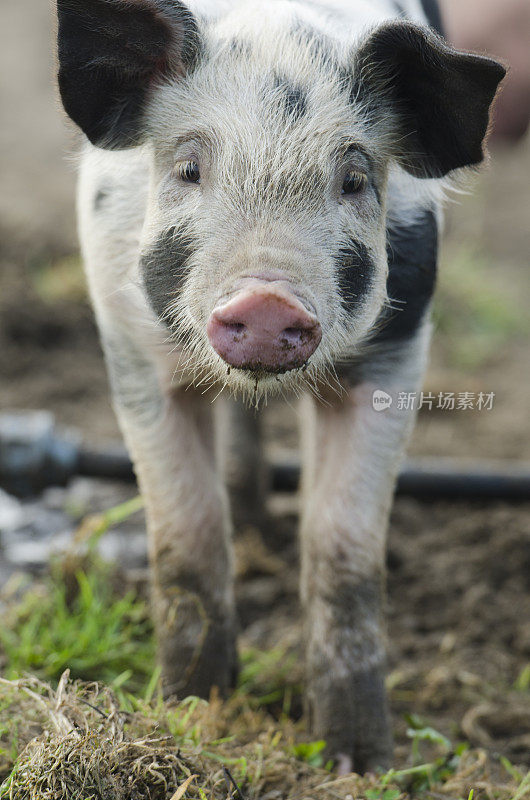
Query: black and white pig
{"x": 259, "y": 211}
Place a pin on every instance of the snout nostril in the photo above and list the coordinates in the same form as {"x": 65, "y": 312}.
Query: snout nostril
{"x": 292, "y": 334}
{"x": 234, "y": 327}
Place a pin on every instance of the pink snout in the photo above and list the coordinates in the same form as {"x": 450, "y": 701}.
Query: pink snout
{"x": 264, "y": 328}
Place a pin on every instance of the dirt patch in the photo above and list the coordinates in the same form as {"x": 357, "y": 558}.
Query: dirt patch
{"x": 49, "y": 352}
{"x": 458, "y": 610}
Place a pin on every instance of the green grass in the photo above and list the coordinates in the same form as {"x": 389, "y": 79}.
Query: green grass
{"x": 270, "y": 678}
{"x": 86, "y": 626}
{"x": 80, "y": 619}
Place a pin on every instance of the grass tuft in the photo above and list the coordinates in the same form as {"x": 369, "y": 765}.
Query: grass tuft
{"x": 80, "y": 621}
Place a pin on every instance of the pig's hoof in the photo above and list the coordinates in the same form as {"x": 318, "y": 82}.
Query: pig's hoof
{"x": 351, "y": 715}
{"x": 361, "y": 764}
{"x": 343, "y": 764}
{"x": 375, "y": 762}
{"x": 196, "y": 671}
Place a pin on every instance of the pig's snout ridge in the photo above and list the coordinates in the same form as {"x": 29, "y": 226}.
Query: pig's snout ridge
{"x": 265, "y": 328}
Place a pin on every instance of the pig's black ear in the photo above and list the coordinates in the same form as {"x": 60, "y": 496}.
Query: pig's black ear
{"x": 440, "y": 97}
{"x": 112, "y": 53}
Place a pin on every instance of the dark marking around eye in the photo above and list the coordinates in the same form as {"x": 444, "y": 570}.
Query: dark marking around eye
{"x": 295, "y": 99}
{"x": 164, "y": 269}
{"x": 355, "y": 274}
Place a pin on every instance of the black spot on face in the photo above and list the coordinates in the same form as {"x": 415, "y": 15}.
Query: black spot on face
{"x": 164, "y": 269}
{"x": 323, "y": 50}
{"x": 240, "y": 48}
{"x": 294, "y": 98}
{"x": 355, "y": 274}
{"x": 320, "y": 46}
{"x": 412, "y": 259}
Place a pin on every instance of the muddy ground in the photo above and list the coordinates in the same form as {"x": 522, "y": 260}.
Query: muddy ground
{"x": 459, "y": 574}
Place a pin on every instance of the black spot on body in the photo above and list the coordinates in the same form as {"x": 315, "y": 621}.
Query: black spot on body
{"x": 355, "y": 603}
{"x": 355, "y": 274}
{"x": 412, "y": 260}
{"x": 164, "y": 269}
{"x": 99, "y": 199}
{"x": 294, "y": 98}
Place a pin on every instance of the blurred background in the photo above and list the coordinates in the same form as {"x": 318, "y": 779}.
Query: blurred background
{"x": 459, "y": 574}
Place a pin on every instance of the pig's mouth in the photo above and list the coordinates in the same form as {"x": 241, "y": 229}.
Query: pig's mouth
{"x": 264, "y": 330}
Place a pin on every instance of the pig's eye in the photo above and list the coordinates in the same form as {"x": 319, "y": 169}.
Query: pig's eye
{"x": 188, "y": 171}
{"x": 354, "y": 182}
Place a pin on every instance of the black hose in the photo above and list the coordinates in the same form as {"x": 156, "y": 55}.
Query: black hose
{"x": 33, "y": 455}
{"x": 113, "y": 464}
{"x": 422, "y": 478}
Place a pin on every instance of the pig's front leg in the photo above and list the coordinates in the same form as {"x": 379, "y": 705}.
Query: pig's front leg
{"x": 351, "y": 458}
{"x": 170, "y": 435}
{"x": 244, "y": 467}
